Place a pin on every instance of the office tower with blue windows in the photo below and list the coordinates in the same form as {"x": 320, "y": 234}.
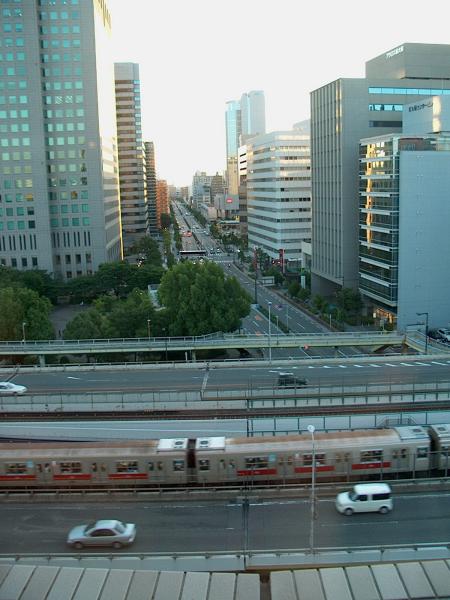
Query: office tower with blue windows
{"x": 59, "y": 188}
{"x": 343, "y": 112}
{"x": 132, "y": 175}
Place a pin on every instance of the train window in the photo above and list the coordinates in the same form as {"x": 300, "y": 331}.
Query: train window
{"x": 151, "y": 466}
{"x": 127, "y": 466}
{"x": 39, "y": 468}
{"x": 94, "y": 467}
{"x": 422, "y": 452}
{"x": 16, "y": 468}
{"x": 203, "y": 464}
{"x": 160, "y": 466}
{"x": 337, "y": 457}
{"x": 103, "y": 467}
{"x": 257, "y": 462}
{"x": 222, "y": 463}
{"x": 70, "y": 467}
{"x": 369, "y": 456}
{"x": 308, "y": 459}
{"x": 178, "y": 465}
{"x": 404, "y": 453}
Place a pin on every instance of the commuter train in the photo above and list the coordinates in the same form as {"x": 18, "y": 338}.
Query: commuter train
{"x": 340, "y": 455}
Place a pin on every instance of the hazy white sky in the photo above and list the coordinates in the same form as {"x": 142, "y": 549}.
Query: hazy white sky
{"x": 194, "y": 55}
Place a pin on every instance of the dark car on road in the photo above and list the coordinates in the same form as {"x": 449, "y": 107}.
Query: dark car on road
{"x": 290, "y": 380}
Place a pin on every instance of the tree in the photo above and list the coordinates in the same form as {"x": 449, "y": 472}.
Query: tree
{"x": 165, "y": 221}
{"x": 349, "y": 301}
{"x": 199, "y": 299}
{"x": 294, "y": 289}
{"x": 112, "y": 317}
{"x": 18, "y": 306}
{"x": 148, "y": 248}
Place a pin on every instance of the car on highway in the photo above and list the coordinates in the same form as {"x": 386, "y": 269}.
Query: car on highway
{"x": 289, "y": 380}
{"x": 365, "y": 497}
{"x": 444, "y": 334}
{"x": 11, "y": 389}
{"x": 102, "y": 533}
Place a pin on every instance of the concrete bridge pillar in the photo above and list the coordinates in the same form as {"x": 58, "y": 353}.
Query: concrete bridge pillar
{"x": 41, "y": 360}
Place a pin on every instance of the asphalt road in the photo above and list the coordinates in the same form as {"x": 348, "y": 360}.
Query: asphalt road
{"x": 348, "y": 372}
{"x": 220, "y": 526}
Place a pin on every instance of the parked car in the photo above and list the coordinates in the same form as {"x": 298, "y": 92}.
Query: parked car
{"x": 11, "y": 389}
{"x": 289, "y": 380}
{"x": 444, "y": 334}
{"x": 102, "y": 533}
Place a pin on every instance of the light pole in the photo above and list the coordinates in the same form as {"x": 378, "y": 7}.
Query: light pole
{"x": 425, "y": 314}
{"x": 23, "y": 331}
{"x": 278, "y": 327}
{"x": 270, "y": 332}
{"x": 165, "y": 339}
{"x": 148, "y": 327}
{"x": 311, "y": 430}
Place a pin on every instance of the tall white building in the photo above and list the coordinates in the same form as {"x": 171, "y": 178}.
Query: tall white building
{"x": 132, "y": 175}
{"x": 59, "y": 187}
{"x": 279, "y": 193}
{"x": 253, "y": 114}
{"x": 201, "y": 188}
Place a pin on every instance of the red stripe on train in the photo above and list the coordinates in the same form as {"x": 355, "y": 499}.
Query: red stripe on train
{"x": 73, "y": 477}
{"x": 20, "y": 477}
{"x": 250, "y": 472}
{"x": 128, "y": 476}
{"x": 309, "y": 469}
{"x": 374, "y": 465}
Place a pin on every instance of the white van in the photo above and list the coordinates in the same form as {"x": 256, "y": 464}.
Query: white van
{"x": 365, "y": 497}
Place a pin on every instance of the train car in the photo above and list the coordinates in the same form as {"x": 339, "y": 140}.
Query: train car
{"x": 99, "y": 463}
{"x": 440, "y": 436}
{"x": 338, "y": 455}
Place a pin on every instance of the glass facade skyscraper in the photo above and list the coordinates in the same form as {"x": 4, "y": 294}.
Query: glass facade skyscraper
{"x": 59, "y": 208}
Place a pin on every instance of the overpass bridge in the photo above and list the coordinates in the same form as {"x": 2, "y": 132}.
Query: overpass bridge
{"x": 207, "y": 342}
{"x": 222, "y": 341}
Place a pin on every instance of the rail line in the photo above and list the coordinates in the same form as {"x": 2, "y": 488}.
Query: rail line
{"x": 233, "y": 413}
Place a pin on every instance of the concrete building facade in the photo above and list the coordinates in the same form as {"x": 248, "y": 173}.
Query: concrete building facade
{"x": 404, "y": 247}
{"x": 343, "y": 112}
{"x": 59, "y": 171}
{"x": 279, "y": 193}
{"x": 132, "y": 176}
{"x": 162, "y": 200}
{"x": 150, "y": 175}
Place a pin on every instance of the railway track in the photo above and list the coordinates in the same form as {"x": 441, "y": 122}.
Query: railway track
{"x": 205, "y": 414}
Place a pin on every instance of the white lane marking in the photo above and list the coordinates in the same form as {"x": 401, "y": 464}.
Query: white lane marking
{"x": 407, "y": 365}
{"x": 311, "y": 367}
{"x": 342, "y": 366}
{"x": 435, "y": 362}
{"x": 374, "y": 365}
{"x": 358, "y": 366}
{"x": 391, "y": 365}
{"x": 421, "y": 364}
{"x": 69, "y": 377}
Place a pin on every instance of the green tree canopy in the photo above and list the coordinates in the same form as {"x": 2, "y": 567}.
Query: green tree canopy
{"x": 114, "y": 318}
{"x": 20, "y": 305}
{"x": 199, "y": 299}
{"x": 148, "y": 247}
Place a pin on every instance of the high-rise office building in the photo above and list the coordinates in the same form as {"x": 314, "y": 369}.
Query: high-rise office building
{"x": 404, "y": 209}
{"x": 343, "y": 112}
{"x": 162, "y": 199}
{"x": 253, "y": 114}
{"x": 59, "y": 177}
{"x": 217, "y": 186}
{"x": 132, "y": 176}
{"x": 279, "y": 193}
{"x": 150, "y": 173}
{"x": 243, "y": 119}
{"x": 201, "y": 188}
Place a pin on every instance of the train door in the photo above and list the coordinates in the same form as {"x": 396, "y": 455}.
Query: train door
{"x": 191, "y": 473}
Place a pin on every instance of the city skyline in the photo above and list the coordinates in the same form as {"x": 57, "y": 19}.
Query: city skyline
{"x": 185, "y": 56}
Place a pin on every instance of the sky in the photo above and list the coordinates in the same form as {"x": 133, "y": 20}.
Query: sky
{"x": 195, "y": 55}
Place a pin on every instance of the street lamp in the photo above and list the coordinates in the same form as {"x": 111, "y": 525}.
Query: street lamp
{"x": 148, "y": 327}
{"x": 311, "y": 430}
{"x": 425, "y": 314}
{"x": 23, "y": 331}
{"x": 270, "y": 332}
{"x": 165, "y": 339}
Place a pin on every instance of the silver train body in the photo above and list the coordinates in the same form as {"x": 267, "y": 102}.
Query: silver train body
{"x": 341, "y": 455}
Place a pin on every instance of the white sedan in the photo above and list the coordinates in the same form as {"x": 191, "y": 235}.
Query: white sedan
{"x": 102, "y": 533}
{"x": 11, "y": 389}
